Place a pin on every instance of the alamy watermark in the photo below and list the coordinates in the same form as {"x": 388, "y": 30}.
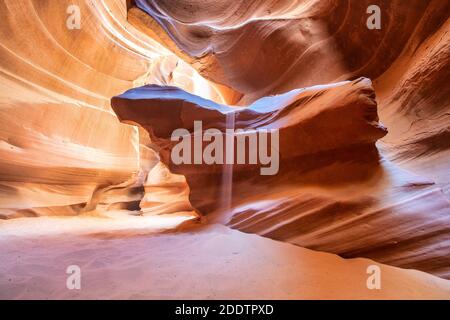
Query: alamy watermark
{"x": 73, "y": 281}
{"x": 74, "y": 20}
{"x": 374, "y": 280}
{"x": 374, "y": 20}
{"x": 252, "y": 147}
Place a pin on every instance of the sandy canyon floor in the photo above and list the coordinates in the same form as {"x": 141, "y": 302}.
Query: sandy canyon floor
{"x": 200, "y": 262}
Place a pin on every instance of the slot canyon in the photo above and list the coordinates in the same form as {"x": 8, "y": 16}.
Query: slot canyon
{"x": 357, "y": 175}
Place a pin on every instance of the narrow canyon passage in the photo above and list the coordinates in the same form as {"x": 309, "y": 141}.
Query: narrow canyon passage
{"x": 323, "y": 149}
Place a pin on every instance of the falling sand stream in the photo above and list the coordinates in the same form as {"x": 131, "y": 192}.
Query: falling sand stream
{"x": 227, "y": 173}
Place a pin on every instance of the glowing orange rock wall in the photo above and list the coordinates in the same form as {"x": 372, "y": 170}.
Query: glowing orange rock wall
{"x": 61, "y": 146}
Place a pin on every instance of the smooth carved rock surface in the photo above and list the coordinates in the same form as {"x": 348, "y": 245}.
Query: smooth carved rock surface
{"x": 344, "y": 114}
{"x": 398, "y": 210}
{"x": 291, "y": 43}
{"x": 268, "y": 47}
{"x": 62, "y": 150}
{"x": 334, "y": 192}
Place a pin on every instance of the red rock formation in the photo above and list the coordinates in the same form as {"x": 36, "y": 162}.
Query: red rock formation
{"x": 351, "y": 206}
{"x": 345, "y": 115}
{"x": 291, "y": 43}
{"x": 62, "y": 150}
{"x": 415, "y": 102}
{"x": 332, "y": 193}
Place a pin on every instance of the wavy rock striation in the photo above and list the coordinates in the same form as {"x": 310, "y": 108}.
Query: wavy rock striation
{"x": 393, "y": 204}
{"x": 344, "y": 113}
{"x": 333, "y": 191}
{"x": 291, "y": 43}
{"x": 62, "y": 150}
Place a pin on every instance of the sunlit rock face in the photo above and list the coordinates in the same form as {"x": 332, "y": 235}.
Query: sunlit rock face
{"x": 62, "y": 149}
